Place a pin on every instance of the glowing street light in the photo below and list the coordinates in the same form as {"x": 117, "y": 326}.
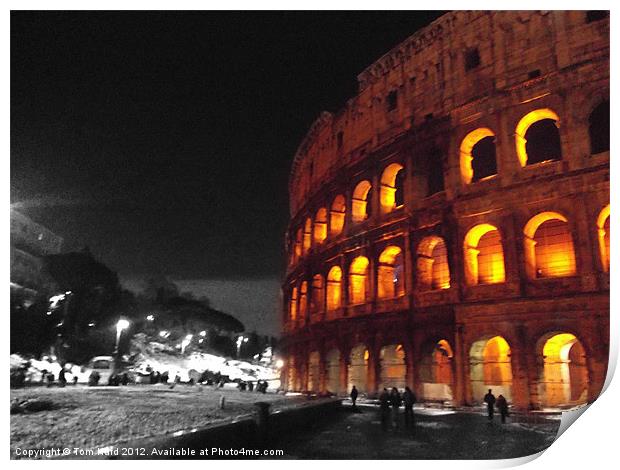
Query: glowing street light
{"x": 240, "y": 340}
{"x": 164, "y": 333}
{"x": 150, "y": 317}
{"x": 203, "y": 333}
{"x": 121, "y": 325}
{"x": 279, "y": 363}
{"x": 185, "y": 343}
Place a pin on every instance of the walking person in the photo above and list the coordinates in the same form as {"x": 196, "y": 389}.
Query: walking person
{"x": 384, "y": 409}
{"x": 502, "y": 407}
{"x": 489, "y": 399}
{"x": 395, "y": 400}
{"x": 409, "y": 400}
{"x": 353, "y": 395}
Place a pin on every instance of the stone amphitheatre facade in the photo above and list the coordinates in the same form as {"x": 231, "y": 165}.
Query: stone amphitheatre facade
{"x": 449, "y": 226}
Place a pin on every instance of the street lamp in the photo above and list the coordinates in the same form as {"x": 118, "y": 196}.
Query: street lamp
{"x": 150, "y": 317}
{"x": 240, "y": 341}
{"x": 121, "y": 325}
{"x": 186, "y": 342}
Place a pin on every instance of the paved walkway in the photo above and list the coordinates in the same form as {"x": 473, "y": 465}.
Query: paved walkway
{"x": 438, "y": 435}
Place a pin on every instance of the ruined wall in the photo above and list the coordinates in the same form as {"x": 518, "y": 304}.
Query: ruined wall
{"x": 424, "y": 106}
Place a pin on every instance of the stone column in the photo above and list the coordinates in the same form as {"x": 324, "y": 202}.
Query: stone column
{"x": 521, "y": 365}
{"x": 461, "y": 376}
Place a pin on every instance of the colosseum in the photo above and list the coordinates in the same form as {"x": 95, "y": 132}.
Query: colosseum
{"x": 450, "y": 227}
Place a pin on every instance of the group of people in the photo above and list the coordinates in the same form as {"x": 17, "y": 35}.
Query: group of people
{"x": 392, "y": 400}
{"x": 492, "y": 402}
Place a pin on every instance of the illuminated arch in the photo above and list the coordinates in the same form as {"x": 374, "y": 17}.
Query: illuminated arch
{"x": 564, "y": 379}
{"x": 358, "y": 280}
{"x": 334, "y": 288}
{"x": 603, "y": 226}
{"x": 548, "y": 245}
{"x": 320, "y": 225}
{"x": 393, "y": 368}
{"x": 358, "y": 368}
{"x": 490, "y": 367}
{"x": 318, "y": 302}
{"x": 307, "y": 240}
{"x": 390, "y": 273}
{"x": 433, "y": 270}
{"x": 483, "y": 256}
{"x": 523, "y": 126}
{"x": 336, "y": 215}
{"x": 360, "y": 203}
{"x": 392, "y": 192}
{"x": 292, "y": 307}
{"x": 466, "y": 152}
{"x": 303, "y": 300}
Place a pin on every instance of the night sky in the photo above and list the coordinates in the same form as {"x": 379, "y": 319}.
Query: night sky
{"x": 163, "y": 141}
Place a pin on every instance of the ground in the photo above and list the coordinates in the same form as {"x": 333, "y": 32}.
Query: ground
{"x": 97, "y": 416}
{"x": 438, "y": 435}
{"x": 89, "y": 417}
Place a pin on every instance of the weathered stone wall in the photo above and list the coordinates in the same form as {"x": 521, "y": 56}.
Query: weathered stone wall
{"x": 528, "y": 61}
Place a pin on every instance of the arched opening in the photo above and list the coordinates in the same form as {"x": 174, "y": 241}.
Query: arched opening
{"x": 537, "y": 137}
{"x": 436, "y": 372}
{"x": 478, "y": 160}
{"x": 358, "y": 369}
{"x": 334, "y": 288}
{"x": 599, "y": 128}
{"x": 320, "y": 226}
{"x": 336, "y": 214}
{"x": 603, "y": 226}
{"x": 303, "y": 300}
{"x": 431, "y": 166}
{"x": 390, "y": 273}
{"x": 393, "y": 367}
{"x": 484, "y": 256}
{"x": 314, "y": 369}
{"x": 549, "y": 250}
{"x": 392, "y": 190}
{"x": 292, "y": 307}
{"x": 307, "y": 243}
{"x": 432, "y": 264}
{"x": 361, "y": 203}
{"x": 490, "y": 367}
{"x": 317, "y": 304}
{"x": 298, "y": 239}
{"x": 358, "y": 280}
{"x": 564, "y": 379}
{"x": 332, "y": 371}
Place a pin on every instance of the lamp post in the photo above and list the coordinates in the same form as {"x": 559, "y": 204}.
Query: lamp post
{"x": 240, "y": 340}
{"x": 185, "y": 343}
{"x": 121, "y": 325}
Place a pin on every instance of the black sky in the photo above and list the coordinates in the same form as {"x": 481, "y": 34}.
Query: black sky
{"x": 164, "y": 140}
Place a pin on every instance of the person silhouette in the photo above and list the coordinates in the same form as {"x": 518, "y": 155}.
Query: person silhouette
{"x": 489, "y": 399}
{"x": 354, "y": 395}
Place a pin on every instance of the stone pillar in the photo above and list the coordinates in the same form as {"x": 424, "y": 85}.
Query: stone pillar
{"x": 410, "y": 363}
{"x": 322, "y": 371}
{"x": 344, "y": 371}
{"x": 374, "y": 369}
{"x": 462, "y": 396}
{"x": 408, "y": 260}
{"x": 521, "y": 364}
